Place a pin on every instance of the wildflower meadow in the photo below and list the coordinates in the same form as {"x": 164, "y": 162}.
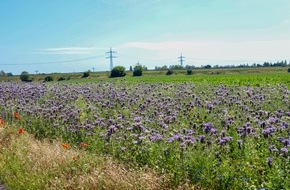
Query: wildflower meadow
{"x": 217, "y": 136}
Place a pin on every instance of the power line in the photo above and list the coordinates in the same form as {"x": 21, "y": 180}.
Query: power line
{"x": 52, "y": 62}
{"x": 181, "y": 60}
{"x": 111, "y": 57}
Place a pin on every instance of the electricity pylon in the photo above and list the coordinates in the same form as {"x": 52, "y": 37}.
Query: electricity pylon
{"x": 111, "y": 57}
{"x": 181, "y": 59}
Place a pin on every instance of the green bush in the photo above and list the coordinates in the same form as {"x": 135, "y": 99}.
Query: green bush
{"x": 169, "y": 72}
{"x": 288, "y": 70}
{"x": 189, "y": 72}
{"x": 86, "y": 74}
{"x": 61, "y": 79}
{"x": 25, "y": 77}
{"x": 138, "y": 70}
{"x": 118, "y": 71}
{"x": 48, "y": 78}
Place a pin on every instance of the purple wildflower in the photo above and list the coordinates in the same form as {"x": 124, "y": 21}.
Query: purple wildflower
{"x": 284, "y": 152}
{"x": 269, "y": 161}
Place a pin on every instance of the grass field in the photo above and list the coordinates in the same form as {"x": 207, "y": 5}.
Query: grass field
{"x": 215, "y": 129}
{"x": 219, "y": 74}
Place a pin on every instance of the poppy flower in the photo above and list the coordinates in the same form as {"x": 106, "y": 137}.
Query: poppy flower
{"x": 2, "y": 122}
{"x": 21, "y": 131}
{"x": 16, "y": 115}
{"x": 83, "y": 145}
{"x": 65, "y": 146}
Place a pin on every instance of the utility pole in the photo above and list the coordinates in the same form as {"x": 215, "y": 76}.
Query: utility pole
{"x": 111, "y": 57}
{"x": 181, "y": 59}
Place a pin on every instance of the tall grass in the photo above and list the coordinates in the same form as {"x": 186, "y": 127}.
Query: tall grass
{"x": 28, "y": 163}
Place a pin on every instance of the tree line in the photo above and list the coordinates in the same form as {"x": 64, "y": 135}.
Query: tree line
{"x": 265, "y": 64}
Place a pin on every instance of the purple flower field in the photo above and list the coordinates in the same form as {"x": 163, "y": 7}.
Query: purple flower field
{"x": 218, "y": 136}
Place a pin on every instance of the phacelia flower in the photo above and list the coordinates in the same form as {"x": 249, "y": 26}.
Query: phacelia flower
{"x": 284, "y": 152}
{"x": 269, "y": 161}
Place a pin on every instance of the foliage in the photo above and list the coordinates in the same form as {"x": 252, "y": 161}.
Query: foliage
{"x": 48, "y": 78}
{"x": 169, "y": 72}
{"x": 175, "y": 67}
{"x": 61, "y": 78}
{"x": 164, "y": 67}
{"x": 288, "y": 70}
{"x": 118, "y": 71}
{"x": 86, "y": 74}
{"x": 189, "y": 72}
{"x": 138, "y": 70}
{"x": 2, "y": 73}
{"x": 25, "y": 76}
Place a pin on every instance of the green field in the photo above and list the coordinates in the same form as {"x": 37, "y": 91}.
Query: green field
{"x": 232, "y": 76}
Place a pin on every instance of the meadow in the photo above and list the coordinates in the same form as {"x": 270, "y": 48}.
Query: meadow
{"x": 208, "y": 130}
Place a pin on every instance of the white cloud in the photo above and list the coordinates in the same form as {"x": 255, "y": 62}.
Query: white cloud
{"x": 66, "y": 51}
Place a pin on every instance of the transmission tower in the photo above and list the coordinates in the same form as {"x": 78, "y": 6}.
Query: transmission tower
{"x": 181, "y": 59}
{"x": 111, "y": 57}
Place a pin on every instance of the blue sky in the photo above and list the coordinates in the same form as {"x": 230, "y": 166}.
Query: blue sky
{"x": 48, "y": 35}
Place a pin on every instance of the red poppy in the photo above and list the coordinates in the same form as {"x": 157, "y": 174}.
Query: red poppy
{"x": 21, "y": 131}
{"x": 65, "y": 146}
{"x": 2, "y": 122}
{"x": 84, "y": 145}
{"x": 16, "y": 115}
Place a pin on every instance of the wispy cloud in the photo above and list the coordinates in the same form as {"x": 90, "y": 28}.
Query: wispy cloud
{"x": 66, "y": 51}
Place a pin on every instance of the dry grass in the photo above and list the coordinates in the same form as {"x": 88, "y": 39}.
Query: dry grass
{"x": 29, "y": 163}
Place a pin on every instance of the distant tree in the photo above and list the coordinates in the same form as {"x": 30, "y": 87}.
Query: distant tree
{"x": 9, "y": 74}
{"x": 169, "y": 72}
{"x": 189, "y": 72}
{"x": 118, "y": 71}
{"x": 288, "y": 70}
{"x": 131, "y": 68}
{"x": 207, "y": 67}
{"x": 86, "y": 74}
{"x": 61, "y": 79}
{"x": 48, "y": 78}
{"x": 164, "y": 67}
{"x": 2, "y": 73}
{"x": 266, "y": 64}
{"x": 25, "y": 77}
{"x": 175, "y": 67}
{"x": 138, "y": 70}
{"x": 189, "y": 67}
